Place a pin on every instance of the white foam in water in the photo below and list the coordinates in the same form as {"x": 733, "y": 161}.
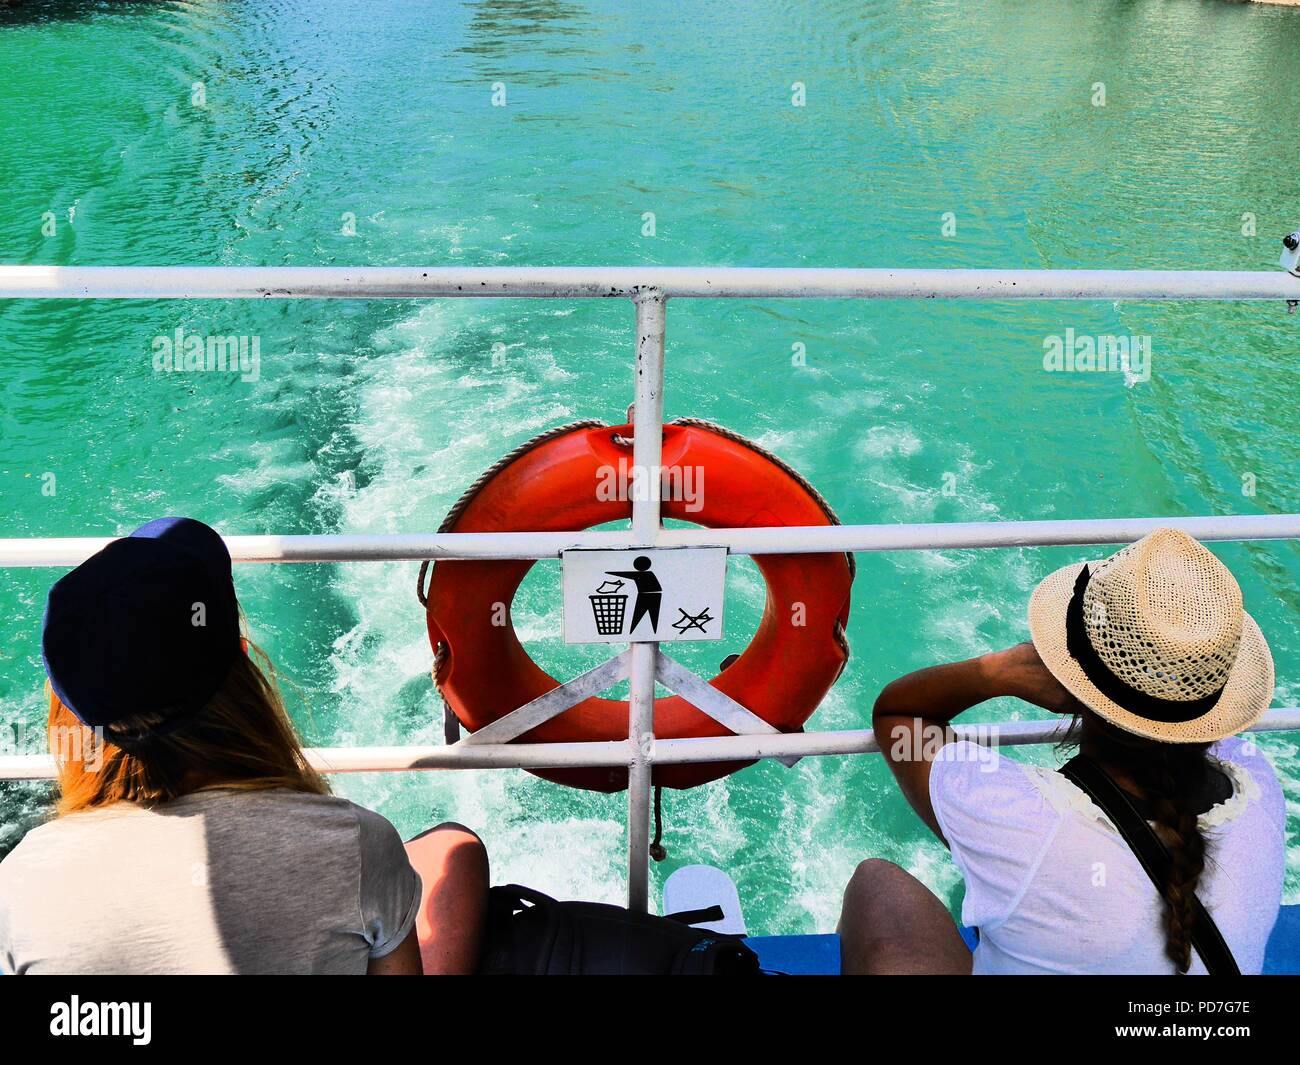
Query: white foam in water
{"x": 884, "y": 441}
{"x": 429, "y": 421}
{"x": 275, "y": 464}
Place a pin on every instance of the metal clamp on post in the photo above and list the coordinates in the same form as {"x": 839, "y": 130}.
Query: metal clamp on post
{"x": 1290, "y": 262}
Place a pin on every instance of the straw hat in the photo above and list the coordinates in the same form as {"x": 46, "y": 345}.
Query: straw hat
{"x": 1154, "y": 639}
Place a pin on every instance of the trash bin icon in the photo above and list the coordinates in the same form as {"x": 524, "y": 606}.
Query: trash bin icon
{"x": 609, "y": 609}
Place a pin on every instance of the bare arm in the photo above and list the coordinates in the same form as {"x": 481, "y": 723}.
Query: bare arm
{"x": 912, "y": 714}
{"x": 404, "y": 961}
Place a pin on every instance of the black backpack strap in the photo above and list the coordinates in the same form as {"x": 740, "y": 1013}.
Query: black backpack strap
{"x": 704, "y": 915}
{"x": 1153, "y": 855}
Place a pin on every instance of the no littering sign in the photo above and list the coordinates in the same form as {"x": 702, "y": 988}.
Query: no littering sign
{"x": 644, "y": 596}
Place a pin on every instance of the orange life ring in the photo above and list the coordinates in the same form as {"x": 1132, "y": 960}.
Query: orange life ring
{"x": 551, "y": 484}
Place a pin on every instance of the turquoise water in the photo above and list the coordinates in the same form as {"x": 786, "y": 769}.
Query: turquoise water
{"x": 374, "y": 416}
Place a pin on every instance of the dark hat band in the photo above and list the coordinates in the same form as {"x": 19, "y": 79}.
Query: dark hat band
{"x": 1169, "y": 711}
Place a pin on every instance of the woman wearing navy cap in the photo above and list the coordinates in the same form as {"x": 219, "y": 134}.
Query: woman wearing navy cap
{"x": 192, "y": 836}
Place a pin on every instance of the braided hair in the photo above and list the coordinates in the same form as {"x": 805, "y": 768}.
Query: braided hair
{"x": 1173, "y": 779}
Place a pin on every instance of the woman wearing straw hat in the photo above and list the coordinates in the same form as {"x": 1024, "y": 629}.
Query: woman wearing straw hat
{"x": 192, "y": 835}
{"x": 1159, "y": 849}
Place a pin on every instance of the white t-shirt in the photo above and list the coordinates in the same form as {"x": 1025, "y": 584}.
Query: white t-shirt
{"x": 220, "y": 881}
{"x": 1053, "y": 888}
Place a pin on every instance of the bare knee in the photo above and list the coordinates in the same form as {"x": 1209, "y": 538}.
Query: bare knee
{"x": 875, "y": 896}
{"x": 892, "y": 923}
{"x": 464, "y": 844}
{"x": 455, "y": 828}
{"x": 869, "y": 868}
{"x": 455, "y": 843}
{"x": 447, "y": 833}
{"x": 872, "y": 876}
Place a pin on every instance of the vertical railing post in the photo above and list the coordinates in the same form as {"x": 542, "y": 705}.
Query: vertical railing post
{"x": 647, "y": 456}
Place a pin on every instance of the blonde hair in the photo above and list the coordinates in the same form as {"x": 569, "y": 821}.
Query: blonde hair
{"x": 242, "y": 738}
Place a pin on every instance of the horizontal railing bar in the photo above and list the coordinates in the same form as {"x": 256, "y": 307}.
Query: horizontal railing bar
{"x": 69, "y": 551}
{"x": 619, "y": 752}
{"x": 388, "y": 282}
{"x": 954, "y": 535}
{"x": 397, "y": 759}
{"x": 471, "y": 756}
{"x": 863, "y": 741}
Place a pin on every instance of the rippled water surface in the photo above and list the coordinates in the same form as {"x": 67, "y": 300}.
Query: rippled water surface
{"x": 374, "y": 416}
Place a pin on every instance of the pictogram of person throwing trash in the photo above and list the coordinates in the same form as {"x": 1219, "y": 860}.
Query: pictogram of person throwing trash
{"x": 649, "y": 592}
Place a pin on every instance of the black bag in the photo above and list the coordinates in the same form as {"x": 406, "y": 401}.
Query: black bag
{"x": 531, "y": 934}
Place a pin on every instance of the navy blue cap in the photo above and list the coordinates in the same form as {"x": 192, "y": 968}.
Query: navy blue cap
{"x": 150, "y": 624}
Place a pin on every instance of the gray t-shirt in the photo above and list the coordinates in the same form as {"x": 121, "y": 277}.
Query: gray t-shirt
{"x": 220, "y": 881}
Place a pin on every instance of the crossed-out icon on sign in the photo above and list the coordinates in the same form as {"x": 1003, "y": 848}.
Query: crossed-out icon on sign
{"x": 686, "y": 622}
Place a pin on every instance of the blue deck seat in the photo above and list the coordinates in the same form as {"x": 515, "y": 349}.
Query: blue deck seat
{"x": 820, "y": 955}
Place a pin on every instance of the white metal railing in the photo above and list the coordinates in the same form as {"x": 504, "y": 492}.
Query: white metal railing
{"x": 619, "y": 752}
{"x": 396, "y": 282}
{"x": 648, "y": 288}
{"x": 792, "y": 539}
